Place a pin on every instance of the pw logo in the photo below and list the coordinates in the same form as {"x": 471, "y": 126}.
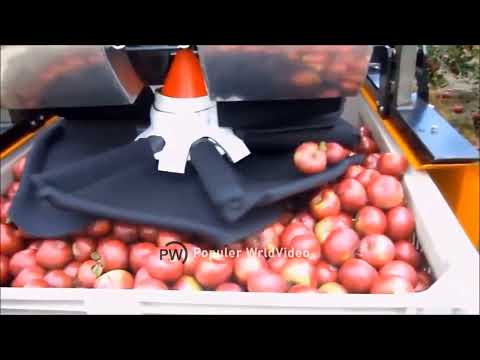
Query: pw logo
{"x": 174, "y": 250}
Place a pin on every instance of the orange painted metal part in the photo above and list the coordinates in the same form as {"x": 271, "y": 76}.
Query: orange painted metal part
{"x": 458, "y": 183}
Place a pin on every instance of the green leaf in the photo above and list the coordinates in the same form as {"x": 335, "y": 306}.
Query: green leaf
{"x": 95, "y": 256}
{"x": 97, "y": 269}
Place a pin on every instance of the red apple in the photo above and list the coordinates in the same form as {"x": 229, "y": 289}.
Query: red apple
{"x": 5, "y": 205}
{"x": 332, "y": 288}
{"x": 352, "y": 195}
{"x": 164, "y": 267}
{"x": 364, "y": 131}
{"x": 115, "y": 279}
{"x": 377, "y": 250}
{"x": 336, "y": 153}
{"x": 345, "y": 218}
{"x": 402, "y": 269}
{"x": 128, "y": 233}
{"x": 148, "y": 233}
{"x": 340, "y": 246}
{"x": 291, "y": 231}
{"x": 88, "y": 272}
{"x": 28, "y": 274}
{"x": 371, "y": 161}
{"x": 13, "y": 189}
{"x": 367, "y": 145}
{"x": 353, "y": 171}
{"x": 193, "y": 258}
{"x": 325, "y": 203}
{"x": 10, "y": 243}
{"x": 285, "y": 218}
{"x": 99, "y": 228}
{"x": 58, "y": 279}
{"x": 247, "y": 264}
{"x": 325, "y": 273}
{"x": 390, "y": 284}
{"x": 370, "y": 220}
{"x": 277, "y": 262}
{"x": 266, "y": 240}
{"x": 406, "y": 251}
{"x": 21, "y": 260}
{"x": 139, "y": 254}
{"x": 385, "y": 192}
{"x": 326, "y": 226}
{"x": 308, "y": 245}
{"x": 266, "y": 281}
{"x": 54, "y": 254}
{"x": 300, "y": 271}
{"x": 302, "y": 289}
{"x": 150, "y": 284}
{"x": 213, "y": 270}
{"x": 392, "y": 164}
{"x": 19, "y": 167}
{"x": 424, "y": 281}
{"x": 400, "y": 223}
{"x": 367, "y": 176}
{"x": 310, "y": 157}
{"x": 83, "y": 247}
{"x": 72, "y": 269}
{"x": 229, "y": 287}
{"x": 187, "y": 283}
{"x": 357, "y": 276}
{"x": 113, "y": 254}
{"x": 36, "y": 283}
{"x": 166, "y": 236}
{"x": 304, "y": 218}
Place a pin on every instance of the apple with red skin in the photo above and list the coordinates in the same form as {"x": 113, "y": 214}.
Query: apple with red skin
{"x": 370, "y": 220}
{"x": 58, "y": 279}
{"x": 392, "y": 164}
{"x": 291, "y": 231}
{"x": 4, "y": 271}
{"x": 126, "y": 232}
{"x": 83, "y": 247}
{"x": 148, "y": 233}
{"x": 326, "y": 226}
{"x": 99, "y": 228}
{"x": 332, "y": 288}
{"x": 352, "y": 195}
{"x": 406, "y": 251}
{"x": 310, "y": 158}
{"x": 336, "y": 153}
{"x": 35, "y": 244}
{"x": 391, "y": 284}
{"x": 88, "y": 272}
{"x": 340, "y": 246}
{"x": 150, "y": 283}
{"x": 115, "y": 279}
{"x": 308, "y": 244}
{"x": 353, "y": 171}
{"x": 21, "y": 260}
{"x": 367, "y": 176}
{"x": 402, "y": 269}
{"x": 325, "y": 203}
{"x": 247, "y": 264}
{"x": 267, "y": 281}
{"x": 400, "y": 223}
{"x": 376, "y": 249}
{"x": 304, "y": 218}
{"x": 385, "y": 192}
{"x": 139, "y": 254}
{"x": 345, "y": 218}
{"x": 28, "y": 274}
{"x": 325, "y": 273}
{"x": 266, "y": 240}
{"x": 113, "y": 254}
{"x": 163, "y": 267}
{"x": 165, "y": 236}
{"x": 424, "y": 281}
{"x": 229, "y": 286}
{"x": 357, "y": 276}
{"x": 213, "y": 270}
{"x": 302, "y": 289}
{"x": 277, "y": 262}
{"x": 367, "y": 145}
{"x": 193, "y": 258}
{"x": 9, "y": 242}
{"x": 36, "y": 283}
{"x": 187, "y": 283}
{"x": 5, "y": 205}
{"x": 364, "y": 131}
{"x": 72, "y": 269}
{"x": 19, "y": 167}
{"x": 300, "y": 271}
{"x": 54, "y": 254}
{"x": 371, "y": 161}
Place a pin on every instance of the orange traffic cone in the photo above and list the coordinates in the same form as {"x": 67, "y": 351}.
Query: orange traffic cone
{"x": 185, "y": 77}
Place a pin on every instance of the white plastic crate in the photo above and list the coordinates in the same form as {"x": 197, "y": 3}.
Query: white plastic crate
{"x": 452, "y": 258}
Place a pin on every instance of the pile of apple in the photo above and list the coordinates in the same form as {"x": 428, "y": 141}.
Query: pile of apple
{"x": 353, "y": 236}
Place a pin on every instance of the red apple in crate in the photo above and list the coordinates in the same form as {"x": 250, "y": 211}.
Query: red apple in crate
{"x": 150, "y": 283}
{"x": 371, "y": 161}
{"x": 302, "y": 289}
{"x": 163, "y": 266}
{"x": 231, "y": 287}
{"x": 213, "y": 270}
{"x": 353, "y": 171}
{"x": 310, "y": 157}
{"x": 88, "y": 272}
{"x": 9, "y": 242}
{"x": 376, "y": 249}
{"x": 357, "y": 276}
{"x": 367, "y": 145}
{"x": 336, "y": 153}
{"x": 325, "y": 203}
{"x": 277, "y": 262}
{"x": 58, "y": 279}
{"x": 148, "y": 233}
{"x": 193, "y": 258}
{"x": 165, "y": 237}
{"x": 115, "y": 279}
{"x": 112, "y": 253}
{"x": 352, "y": 195}
{"x": 340, "y": 246}
{"x": 304, "y": 218}
{"x": 21, "y": 260}
{"x": 332, "y": 288}
{"x": 83, "y": 247}
{"x": 370, "y": 220}
{"x": 367, "y": 176}
{"x": 247, "y": 264}
{"x": 300, "y": 271}
{"x": 142, "y": 274}
{"x": 325, "y": 273}
{"x": 385, "y": 192}
{"x": 308, "y": 245}
{"x": 72, "y": 269}
{"x": 402, "y": 269}
{"x": 406, "y": 251}
{"x": 126, "y": 232}
{"x": 4, "y": 271}
{"x": 36, "y": 283}
{"x": 390, "y": 284}
{"x": 392, "y": 164}
{"x": 291, "y": 231}
{"x": 400, "y": 223}
{"x": 139, "y": 254}
{"x": 424, "y": 281}
{"x": 345, "y": 218}
{"x": 187, "y": 283}
{"x": 35, "y": 244}
{"x": 28, "y": 274}
{"x": 326, "y": 226}
{"x": 99, "y": 228}
{"x": 267, "y": 281}
{"x": 54, "y": 254}
{"x": 266, "y": 240}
